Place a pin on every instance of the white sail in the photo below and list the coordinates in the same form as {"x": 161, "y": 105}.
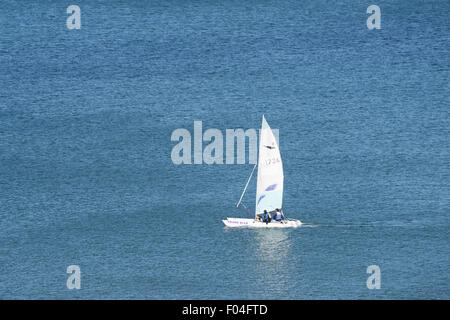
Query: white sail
{"x": 269, "y": 190}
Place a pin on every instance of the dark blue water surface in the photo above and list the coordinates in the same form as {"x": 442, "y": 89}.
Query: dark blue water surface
{"x": 86, "y": 176}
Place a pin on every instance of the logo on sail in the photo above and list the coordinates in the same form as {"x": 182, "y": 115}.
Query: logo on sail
{"x": 269, "y": 188}
{"x": 261, "y": 197}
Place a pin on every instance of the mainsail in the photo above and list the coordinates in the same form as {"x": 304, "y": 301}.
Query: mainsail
{"x": 269, "y": 190}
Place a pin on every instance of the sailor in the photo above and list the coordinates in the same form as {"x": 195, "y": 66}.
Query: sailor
{"x": 264, "y": 216}
{"x": 267, "y": 217}
{"x": 278, "y": 215}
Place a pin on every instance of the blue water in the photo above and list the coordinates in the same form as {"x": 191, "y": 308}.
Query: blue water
{"x": 86, "y": 176}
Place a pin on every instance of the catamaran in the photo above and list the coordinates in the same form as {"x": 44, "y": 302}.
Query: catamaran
{"x": 269, "y": 185}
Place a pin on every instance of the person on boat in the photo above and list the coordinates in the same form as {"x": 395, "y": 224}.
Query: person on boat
{"x": 278, "y": 215}
{"x": 267, "y": 217}
{"x": 264, "y": 216}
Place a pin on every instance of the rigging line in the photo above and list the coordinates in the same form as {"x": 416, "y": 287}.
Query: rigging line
{"x": 245, "y": 188}
{"x": 249, "y": 210}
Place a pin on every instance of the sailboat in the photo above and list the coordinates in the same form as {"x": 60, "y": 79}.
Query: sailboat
{"x": 269, "y": 185}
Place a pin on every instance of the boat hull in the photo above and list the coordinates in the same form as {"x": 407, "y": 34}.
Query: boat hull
{"x": 252, "y": 223}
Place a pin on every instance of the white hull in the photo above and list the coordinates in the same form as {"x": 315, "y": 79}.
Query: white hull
{"x": 252, "y": 223}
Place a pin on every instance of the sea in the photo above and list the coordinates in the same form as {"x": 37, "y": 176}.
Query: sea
{"x": 87, "y": 177}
